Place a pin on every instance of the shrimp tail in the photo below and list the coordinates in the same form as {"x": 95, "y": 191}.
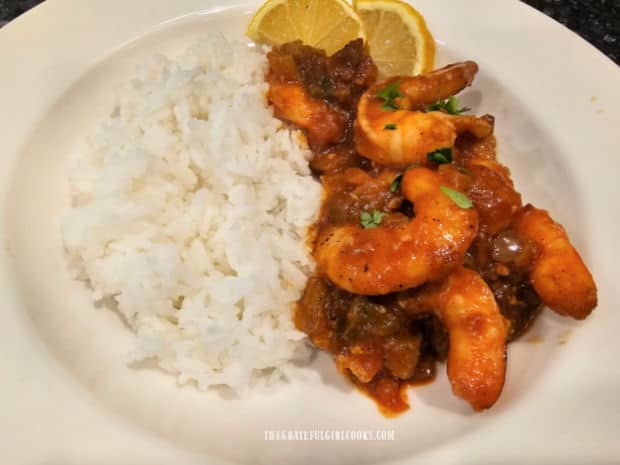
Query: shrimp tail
{"x": 440, "y": 84}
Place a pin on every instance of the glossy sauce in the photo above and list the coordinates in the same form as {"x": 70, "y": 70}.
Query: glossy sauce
{"x": 381, "y": 348}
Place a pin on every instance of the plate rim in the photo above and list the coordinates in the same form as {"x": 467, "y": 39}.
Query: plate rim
{"x": 86, "y": 40}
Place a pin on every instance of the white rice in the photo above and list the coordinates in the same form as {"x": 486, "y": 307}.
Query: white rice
{"x": 193, "y": 195}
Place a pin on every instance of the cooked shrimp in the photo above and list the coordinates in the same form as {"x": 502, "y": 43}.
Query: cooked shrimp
{"x": 415, "y": 133}
{"x": 558, "y": 274}
{"x": 396, "y": 257}
{"x": 324, "y": 124}
{"x": 478, "y": 331}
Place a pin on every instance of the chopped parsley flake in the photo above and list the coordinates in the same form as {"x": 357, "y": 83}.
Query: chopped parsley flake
{"x": 389, "y": 94}
{"x": 440, "y": 156}
{"x": 396, "y": 183}
{"x": 372, "y": 219}
{"x": 450, "y": 106}
{"x": 457, "y": 197}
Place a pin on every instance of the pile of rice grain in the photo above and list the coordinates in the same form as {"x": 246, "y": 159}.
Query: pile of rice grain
{"x": 190, "y": 210}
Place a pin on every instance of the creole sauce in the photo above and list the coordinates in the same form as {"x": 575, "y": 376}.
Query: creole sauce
{"x": 379, "y": 344}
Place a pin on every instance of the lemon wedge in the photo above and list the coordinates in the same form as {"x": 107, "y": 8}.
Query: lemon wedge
{"x": 399, "y": 41}
{"x": 325, "y": 24}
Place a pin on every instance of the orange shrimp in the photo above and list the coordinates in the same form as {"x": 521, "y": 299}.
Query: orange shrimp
{"x": 558, "y": 274}
{"x": 324, "y": 124}
{"x": 397, "y": 257}
{"x": 415, "y": 133}
{"x": 478, "y": 331}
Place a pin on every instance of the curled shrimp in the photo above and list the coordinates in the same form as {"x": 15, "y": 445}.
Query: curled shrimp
{"x": 405, "y": 135}
{"x": 397, "y": 257}
{"x": 558, "y": 274}
{"x": 324, "y": 125}
{"x": 478, "y": 331}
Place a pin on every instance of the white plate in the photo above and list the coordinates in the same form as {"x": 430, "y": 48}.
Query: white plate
{"x": 67, "y": 396}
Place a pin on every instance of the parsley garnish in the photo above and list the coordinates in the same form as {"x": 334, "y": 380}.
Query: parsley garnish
{"x": 457, "y": 197}
{"x": 390, "y": 127}
{"x": 450, "y": 106}
{"x": 396, "y": 183}
{"x": 390, "y": 93}
{"x": 440, "y": 156}
{"x": 371, "y": 220}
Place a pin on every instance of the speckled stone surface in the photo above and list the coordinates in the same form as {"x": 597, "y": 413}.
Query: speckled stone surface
{"x": 597, "y": 21}
{"x": 10, "y": 9}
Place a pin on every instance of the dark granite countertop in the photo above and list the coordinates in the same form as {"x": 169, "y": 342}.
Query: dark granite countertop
{"x": 597, "y": 21}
